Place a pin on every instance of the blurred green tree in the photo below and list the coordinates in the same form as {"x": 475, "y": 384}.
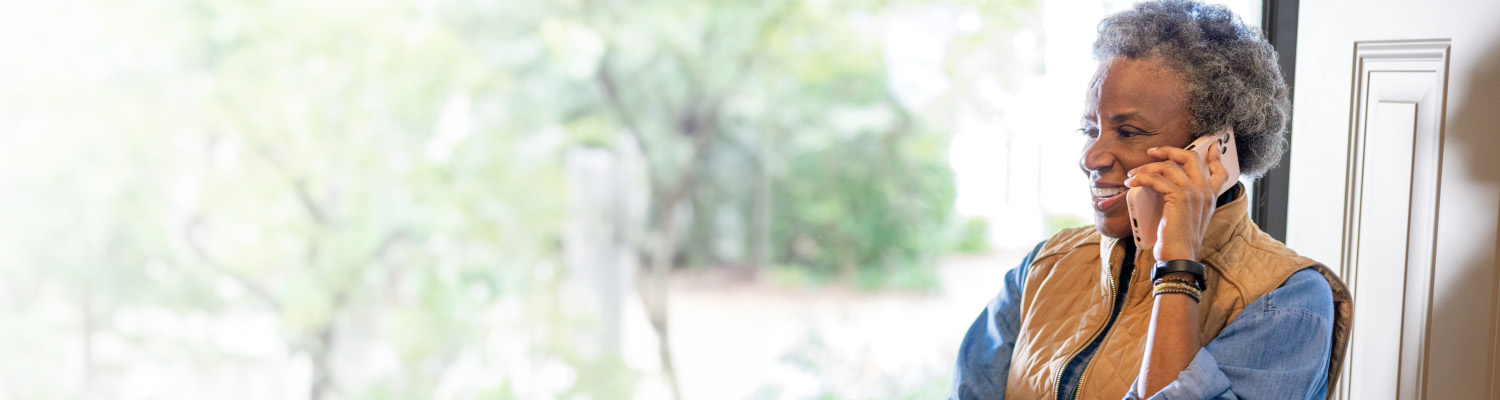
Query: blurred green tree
{"x": 383, "y": 178}
{"x": 352, "y": 168}
{"x": 738, "y": 105}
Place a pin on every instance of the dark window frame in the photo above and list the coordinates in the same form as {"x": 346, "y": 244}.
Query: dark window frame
{"x": 1269, "y": 199}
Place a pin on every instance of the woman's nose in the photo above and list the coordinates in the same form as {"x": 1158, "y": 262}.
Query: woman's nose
{"x": 1095, "y": 158}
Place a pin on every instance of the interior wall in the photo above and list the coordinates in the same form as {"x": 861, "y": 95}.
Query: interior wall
{"x": 1461, "y": 351}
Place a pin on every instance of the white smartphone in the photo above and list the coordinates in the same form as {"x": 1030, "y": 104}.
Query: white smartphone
{"x": 1145, "y": 204}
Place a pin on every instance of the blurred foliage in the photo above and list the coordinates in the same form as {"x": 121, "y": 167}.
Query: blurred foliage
{"x": 863, "y": 202}
{"x": 379, "y": 186}
{"x": 351, "y": 169}
{"x": 973, "y": 236}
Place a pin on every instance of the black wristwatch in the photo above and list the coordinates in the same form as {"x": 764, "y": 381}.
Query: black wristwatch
{"x": 1174, "y": 266}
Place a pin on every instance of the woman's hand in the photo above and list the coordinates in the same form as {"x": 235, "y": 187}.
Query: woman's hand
{"x": 1189, "y": 188}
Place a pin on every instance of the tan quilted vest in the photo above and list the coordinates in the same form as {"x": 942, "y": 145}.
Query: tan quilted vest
{"x": 1068, "y": 296}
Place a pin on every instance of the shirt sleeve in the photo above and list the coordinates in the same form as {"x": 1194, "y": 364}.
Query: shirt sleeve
{"x": 984, "y": 355}
{"x": 1276, "y": 348}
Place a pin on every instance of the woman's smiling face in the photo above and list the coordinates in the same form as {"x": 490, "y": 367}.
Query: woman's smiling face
{"x": 1132, "y": 106}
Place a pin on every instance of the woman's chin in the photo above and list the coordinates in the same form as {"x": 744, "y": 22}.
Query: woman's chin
{"x": 1118, "y": 228}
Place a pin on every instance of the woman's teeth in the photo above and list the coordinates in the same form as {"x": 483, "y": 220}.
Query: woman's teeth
{"x": 1106, "y": 192}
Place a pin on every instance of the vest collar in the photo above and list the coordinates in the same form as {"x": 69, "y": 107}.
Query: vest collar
{"x": 1229, "y": 220}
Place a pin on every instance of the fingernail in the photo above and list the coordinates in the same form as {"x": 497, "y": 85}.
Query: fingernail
{"x": 1151, "y": 149}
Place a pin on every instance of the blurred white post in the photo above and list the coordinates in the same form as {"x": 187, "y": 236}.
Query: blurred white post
{"x": 592, "y": 246}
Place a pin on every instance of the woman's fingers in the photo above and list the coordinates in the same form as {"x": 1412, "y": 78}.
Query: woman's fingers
{"x": 1188, "y": 159}
{"x": 1167, "y": 169}
{"x": 1154, "y": 181}
{"x": 1216, "y": 172}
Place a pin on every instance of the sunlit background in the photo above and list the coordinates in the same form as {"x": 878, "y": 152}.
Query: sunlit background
{"x": 463, "y": 199}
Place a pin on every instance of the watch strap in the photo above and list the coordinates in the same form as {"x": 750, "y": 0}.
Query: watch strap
{"x": 1191, "y": 267}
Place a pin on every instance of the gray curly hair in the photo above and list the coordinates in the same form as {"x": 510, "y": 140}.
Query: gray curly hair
{"x": 1231, "y": 71}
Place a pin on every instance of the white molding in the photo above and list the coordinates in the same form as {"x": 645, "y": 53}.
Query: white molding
{"x": 1409, "y": 72}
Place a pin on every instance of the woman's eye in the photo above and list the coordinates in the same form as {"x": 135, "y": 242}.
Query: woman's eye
{"x": 1127, "y": 133}
{"x": 1088, "y": 131}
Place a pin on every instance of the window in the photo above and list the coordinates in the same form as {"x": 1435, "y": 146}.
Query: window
{"x": 473, "y": 199}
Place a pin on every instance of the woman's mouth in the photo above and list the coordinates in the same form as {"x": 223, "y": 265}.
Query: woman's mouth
{"x": 1107, "y": 197}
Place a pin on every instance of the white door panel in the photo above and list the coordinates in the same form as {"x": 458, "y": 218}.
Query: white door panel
{"x": 1376, "y": 348}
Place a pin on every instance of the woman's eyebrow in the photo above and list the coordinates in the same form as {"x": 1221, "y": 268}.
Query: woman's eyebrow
{"x": 1118, "y": 118}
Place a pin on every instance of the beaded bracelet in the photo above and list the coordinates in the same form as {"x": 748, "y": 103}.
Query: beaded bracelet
{"x": 1186, "y": 292}
{"x": 1177, "y": 287}
{"x": 1177, "y": 279}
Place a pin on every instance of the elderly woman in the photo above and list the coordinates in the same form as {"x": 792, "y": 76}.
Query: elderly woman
{"x": 1216, "y": 309}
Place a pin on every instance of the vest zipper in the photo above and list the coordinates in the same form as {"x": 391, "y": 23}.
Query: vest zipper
{"x": 1057, "y": 380}
{"x": 1083, "y": 378}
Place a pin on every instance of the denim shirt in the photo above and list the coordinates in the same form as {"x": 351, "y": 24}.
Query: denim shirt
{"x": 1277, "y": 347}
